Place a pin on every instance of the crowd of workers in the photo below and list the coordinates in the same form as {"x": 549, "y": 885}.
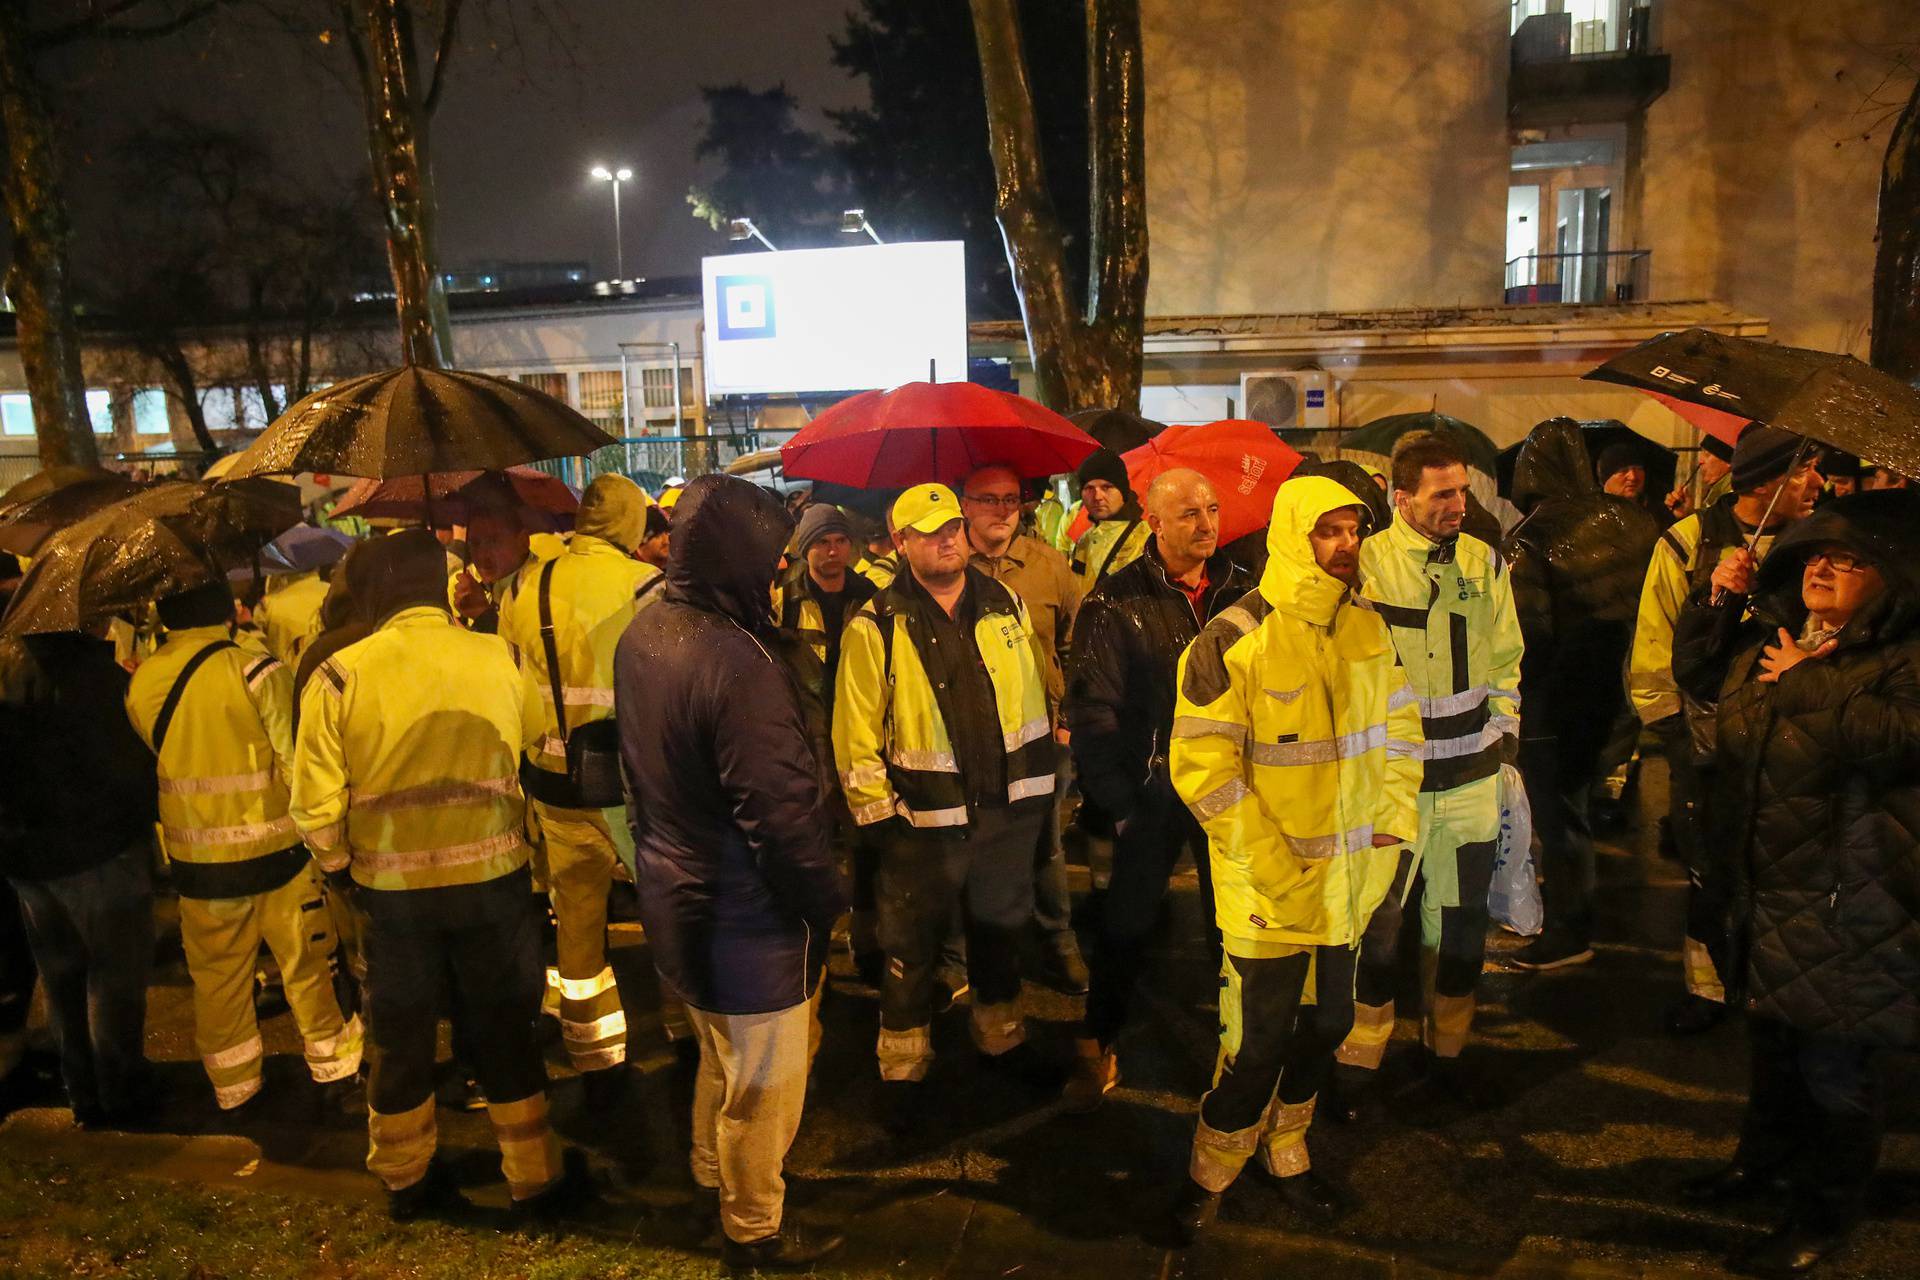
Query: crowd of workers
{"x": 775, "y": 731}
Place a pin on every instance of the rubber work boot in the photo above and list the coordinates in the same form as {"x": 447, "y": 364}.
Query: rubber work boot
{"x": 434, "y": 1196}
{"x": 1095, "y": 1073}
{"x": 1193, "y": 1211}
{"x": 792, "y": 1248}
{"x": 1027, "y": 1065}
{"x": 1691, "y": 1015}
{"x": 572, "y": 1190}
{"x": 1312, "y": 1197}
{"x": 900, "y": 1102}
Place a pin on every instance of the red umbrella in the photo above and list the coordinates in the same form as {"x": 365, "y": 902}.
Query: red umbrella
{"x": 1718, "y": 423}
{"x": 455, "y": 494}
{"x": 932, "y": 431}
{"x": 1245, "y": 461}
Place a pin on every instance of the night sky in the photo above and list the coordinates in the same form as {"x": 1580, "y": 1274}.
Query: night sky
{"x": 513, "y": 138}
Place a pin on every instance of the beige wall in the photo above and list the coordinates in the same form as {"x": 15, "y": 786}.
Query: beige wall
{"x": 1323, "y": 155}
{"x": 1761, "y": 165}
{"x": 1316, "y": 155}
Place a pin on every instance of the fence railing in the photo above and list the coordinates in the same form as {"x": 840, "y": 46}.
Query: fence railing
{"x": 652, "y": 460}
{"x": 1621, "y": 275}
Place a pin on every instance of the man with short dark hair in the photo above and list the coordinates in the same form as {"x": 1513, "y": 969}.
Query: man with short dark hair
{"x": 1447, "y": 600}
{"x": 1119, "y": 707}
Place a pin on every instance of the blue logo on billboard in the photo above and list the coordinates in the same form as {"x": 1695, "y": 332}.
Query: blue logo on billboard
{"x": 1316, "y": 398}
{"x": 746, "y": 307}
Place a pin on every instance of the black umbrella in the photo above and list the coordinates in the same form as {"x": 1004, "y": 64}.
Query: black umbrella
{"x": 1116, "y": 429}
{"x": 1834, "y": 399}
{"x": 168, "y": 537}
{"x": 53, "y": 499}
{"x": 414, "y": 421}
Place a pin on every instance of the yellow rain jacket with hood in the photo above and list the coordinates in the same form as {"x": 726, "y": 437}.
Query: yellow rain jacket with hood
{"x": 1296, "y": 740}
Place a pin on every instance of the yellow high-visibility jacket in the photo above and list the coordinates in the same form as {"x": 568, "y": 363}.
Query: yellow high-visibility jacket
{"x": 1296, "y": 741}
{"x": 1451, "y": 614}
{"x": 406, "y": 768}
{"x": 1676, "y": 570}
{"x": 595, "y": 592}
{"x": 289, "y": 616}
{"x": 225, "y": 766}
{"x": 879, "y": 570}
{"x": 1110, "y": 545}
{"x": 890, "y": 739}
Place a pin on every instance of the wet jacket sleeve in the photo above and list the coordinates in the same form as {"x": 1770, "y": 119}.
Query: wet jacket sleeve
{"x": 1533, "y": 604}
{"x": 1705, "y": 639}
{"x": 765, "y": 763}
{"x": 1504, "y": 653}
{"x": 1209, "y": 767}
{"x": 319, "y": 799}
{"x": 860, "y": 695}
{"x": 1095, "y": 710}
{"x": 1399, "y": 811}
{"x": 1650, "y": 681}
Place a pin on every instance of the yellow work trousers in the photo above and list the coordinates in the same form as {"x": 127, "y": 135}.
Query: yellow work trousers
{"x": 222, "y": 938}
{"x": 582, "y": 848}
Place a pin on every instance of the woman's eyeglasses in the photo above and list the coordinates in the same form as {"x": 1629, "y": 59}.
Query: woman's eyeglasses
{"x": 1839, "y": 561}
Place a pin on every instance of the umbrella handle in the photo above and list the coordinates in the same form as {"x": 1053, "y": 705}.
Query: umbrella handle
{"x": 1753, "y": 539}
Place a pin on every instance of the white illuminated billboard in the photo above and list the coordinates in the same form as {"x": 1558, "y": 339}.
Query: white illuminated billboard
{"x": 835, "y": 319}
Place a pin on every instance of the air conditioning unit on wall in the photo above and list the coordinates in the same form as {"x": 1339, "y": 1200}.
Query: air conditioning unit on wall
{"x": 1294, "y": 399}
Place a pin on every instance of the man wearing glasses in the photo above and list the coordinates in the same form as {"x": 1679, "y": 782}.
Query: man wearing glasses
{"x": 1041, "y": 577}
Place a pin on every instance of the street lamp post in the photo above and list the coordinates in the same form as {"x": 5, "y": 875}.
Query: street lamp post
{"x": 614, "y": 177}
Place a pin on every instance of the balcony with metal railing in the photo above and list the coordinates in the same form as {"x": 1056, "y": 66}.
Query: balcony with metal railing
{"x": 1617, "y": 276}
{"x": 1596, "y": 69}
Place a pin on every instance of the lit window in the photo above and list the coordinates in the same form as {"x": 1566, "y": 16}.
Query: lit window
{"x": 600, "y": 397}
{"x": 16, "y": 414}
{"x": 220, "y": 408}
{"x": 100, "y": 412}
{"x": 150, "y": 417}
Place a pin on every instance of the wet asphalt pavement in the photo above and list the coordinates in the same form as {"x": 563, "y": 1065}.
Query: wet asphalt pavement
{"x": 1594, "y": 1114}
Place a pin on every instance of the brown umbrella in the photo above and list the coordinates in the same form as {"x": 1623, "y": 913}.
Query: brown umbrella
{"x": 168, "y": 537}
{"x": 416, "y": 421}
{"x": 53, "y": 499}
{"x": 546, "y": 502}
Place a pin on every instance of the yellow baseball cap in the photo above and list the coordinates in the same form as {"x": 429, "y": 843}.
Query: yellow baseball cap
{"x": 928, "y": 508}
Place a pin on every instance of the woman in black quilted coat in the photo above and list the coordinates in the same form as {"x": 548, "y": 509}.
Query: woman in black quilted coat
{"x": 1818, "y": 818}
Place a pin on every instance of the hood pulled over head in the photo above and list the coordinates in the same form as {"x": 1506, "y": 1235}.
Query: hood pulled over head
{"x": 614, "y": 508}
{"x": 1881, "y": 525}
{"x": 405, "y": 570}
{"x": 725, "y": 546}
{"x": 1553, "y": 463}
{"x": 1293, "y": 582}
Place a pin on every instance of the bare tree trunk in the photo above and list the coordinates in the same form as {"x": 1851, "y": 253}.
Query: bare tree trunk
{"x": 1896, "y": 266}
{"x": 1083, "y": 358}
{"x": 398, "y": 111}
{"x": 186, "y": 389}
{"x": 1117, "y": 150}
{"x": 257, "y": 365}
{"x": 39, "y": 282}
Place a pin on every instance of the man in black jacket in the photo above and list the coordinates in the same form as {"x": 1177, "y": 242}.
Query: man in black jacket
{"x": 737, "y": 886}
{"x": 1119, "y": 707}
{"x": 77, "y": 804}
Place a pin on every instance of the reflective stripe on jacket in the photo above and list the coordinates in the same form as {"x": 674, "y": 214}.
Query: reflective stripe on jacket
{"x": 1451, "y": 614}
{"x": 226, "y": 764}
{"x": 406, "y": 768}
{"x": 1296, "y": 740}
{"x": 879, "y": 570}
{"x": 890, "y": 740}
{"x": 596, "y": 590}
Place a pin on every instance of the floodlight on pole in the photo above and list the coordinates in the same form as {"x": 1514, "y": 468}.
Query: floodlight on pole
{"x": 613, "y": 178}
{"x": 854, "y": 222}
{"x": 743, "y": 229}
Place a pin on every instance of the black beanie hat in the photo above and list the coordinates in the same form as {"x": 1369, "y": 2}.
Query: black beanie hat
{"x": 1763, "y": 455}
{"x": 1104, "y": 464}
{"x": 207, "y": 605}
{"x": 1617, "y": 456}
{"x": 1717, "y": 447}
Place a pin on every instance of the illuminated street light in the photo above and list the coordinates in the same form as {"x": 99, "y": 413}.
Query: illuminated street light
{"x": 614, "y": 177}
{"x": 854, "y": 221}
{"x": 743, "y": 229}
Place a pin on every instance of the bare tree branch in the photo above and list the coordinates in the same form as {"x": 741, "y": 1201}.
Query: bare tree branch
{"x": 103, "y": 25}
{"x": 442, "y": 52}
